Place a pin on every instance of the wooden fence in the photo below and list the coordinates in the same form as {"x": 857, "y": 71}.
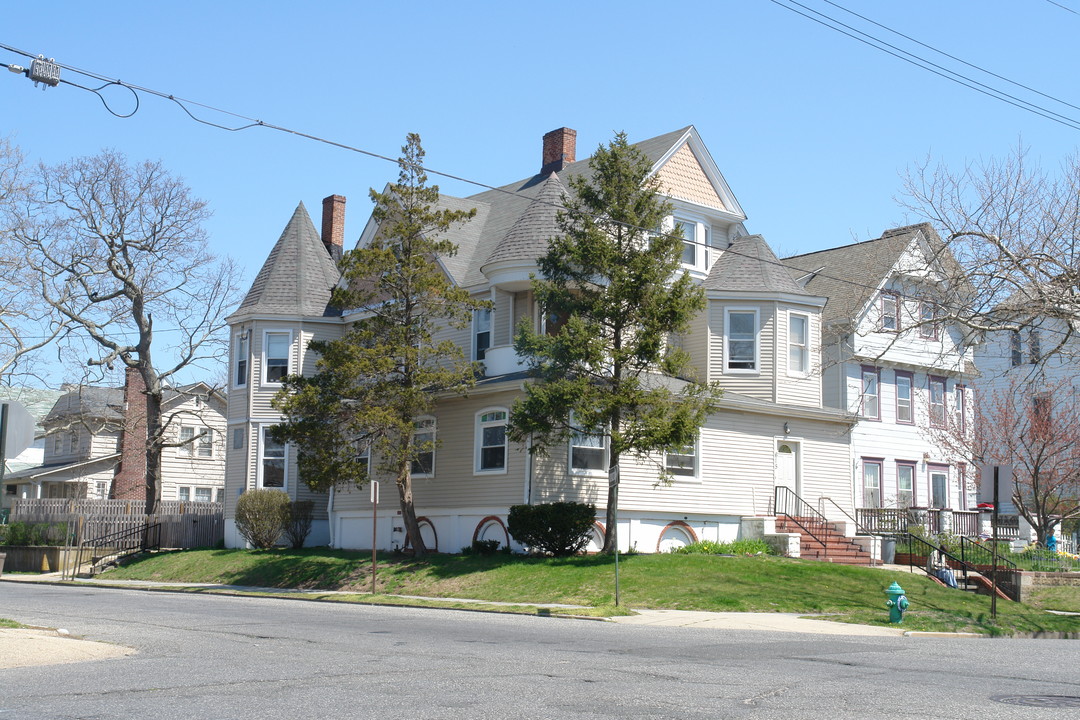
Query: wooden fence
{"x": 183, "y": 524}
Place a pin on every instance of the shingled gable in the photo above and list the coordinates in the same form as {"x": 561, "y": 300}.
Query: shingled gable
{"x": 298, "y": 276}
{"x": 749, "y": 265}
{"x": 850, "y": 275}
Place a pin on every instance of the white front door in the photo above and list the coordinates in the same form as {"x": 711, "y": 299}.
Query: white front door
{"x": 787, "y": 466}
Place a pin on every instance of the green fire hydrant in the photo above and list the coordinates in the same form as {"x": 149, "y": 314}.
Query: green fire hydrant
{"x": 897, "y": 603}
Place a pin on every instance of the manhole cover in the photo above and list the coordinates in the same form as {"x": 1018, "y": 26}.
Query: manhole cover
{"x": 1046, "y": 701}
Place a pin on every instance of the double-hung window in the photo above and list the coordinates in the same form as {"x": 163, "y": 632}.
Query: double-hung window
{"x": 1016, "y": 349}
{"x": 693, "y": 242}
{"x": 1034, "y": 347}
{"x": 186, "y": 440}
{"x": 928, "y": 313}
{"x": 798, "y": 343}
{"x": 481, "y": 333}
{"x": 273, "y": 457}
{"x": 905, "y": 484}
{"x": 960, "y": 400}
{"x": 204, "y": 494}
{"x": 423, "y": 437}
{"x": 890, "y": 312}
{"x": 491, "y": 441}
{"x": 276, "y": 352}
{"x": 871, "y": 483}
{"x": 741, "y": 341}
{"x": 588, "y": 450}
{"x": 871, "y": 393}
{"x": 937, "y": 401}
{"x": 683, "y": 462}
{"x": 240, "y": 360}
{"x": 904, "y": 386}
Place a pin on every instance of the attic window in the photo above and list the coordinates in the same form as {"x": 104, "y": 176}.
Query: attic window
{"x": 890, "y": 312}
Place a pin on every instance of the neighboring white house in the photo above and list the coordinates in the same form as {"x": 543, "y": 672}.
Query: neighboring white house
{"x": 759, "y": 337}
{"x": 905, "y": 373}
{"x": 1027, "y": 375}
{"x": 37, "y": 403}
{"x": 82, "y": 438}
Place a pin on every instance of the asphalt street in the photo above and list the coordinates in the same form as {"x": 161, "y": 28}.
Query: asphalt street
{"x": 205, "y": 656}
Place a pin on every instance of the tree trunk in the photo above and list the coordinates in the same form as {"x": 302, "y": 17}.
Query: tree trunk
{"x": 153, "y": 452}
{"x": 611, "y": 515}
{"x": 408, "y": 510}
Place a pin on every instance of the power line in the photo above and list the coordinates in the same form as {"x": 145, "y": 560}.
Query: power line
{"x": 929, "y": 66}
{"x": 253, "y": 122}
{"x": 953, "y": 57}
{"x": 1063, "y": 7}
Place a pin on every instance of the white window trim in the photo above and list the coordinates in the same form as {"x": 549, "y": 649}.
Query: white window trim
{"x": 434, "y": 441}
{"x": 478, "y": 439}
{"x": 187, "y": 449}
{"x": 476, "y": 332}
{"x": 702, "y": 239}
{"x": 259, "y": 464}
{"x": 289, "y": 355}
{"x": 805, "y": 346}
{"x": 696, "y": 475}
{"x": 756, "y": 370}
{"x": 584, "y": 472}
{"x": 241, "y": 346}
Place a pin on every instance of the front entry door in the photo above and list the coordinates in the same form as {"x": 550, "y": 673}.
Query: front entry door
{"x": 787, "y": 466}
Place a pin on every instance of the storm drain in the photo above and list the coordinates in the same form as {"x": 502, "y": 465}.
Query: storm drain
{"x": 1046, "y": 701}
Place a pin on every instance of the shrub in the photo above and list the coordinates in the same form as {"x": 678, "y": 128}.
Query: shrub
{"x": 24, "y": 533}
{"x": 299, "y": 525}
{"x": 736, "y": 547}
{"x": 481, "y": 547}
{"x": 560, "y": 529}
{"x": 262, "y": 515}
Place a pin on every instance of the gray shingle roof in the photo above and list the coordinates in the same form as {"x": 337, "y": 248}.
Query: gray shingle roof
{"x": 297, "y": 277}
{"x": 499, "y": 210}
{"x": 749, "y": 265}
{"x": 528, "y": 237}
{"x": 850, "y": 275}
{"x": 97, "y": 403}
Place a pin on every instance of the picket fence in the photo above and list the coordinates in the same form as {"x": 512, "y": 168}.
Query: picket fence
{"x": 183, "y": 524}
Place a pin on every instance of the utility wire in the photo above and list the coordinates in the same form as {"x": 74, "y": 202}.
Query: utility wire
{"x": 253, "y": 122}
{"x": 1063, "y": 7}
{"x": 953, "y": 57}
{"x": 930, "y": 66}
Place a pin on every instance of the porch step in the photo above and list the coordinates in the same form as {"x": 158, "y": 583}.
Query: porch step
{"x": 837, "y": 548}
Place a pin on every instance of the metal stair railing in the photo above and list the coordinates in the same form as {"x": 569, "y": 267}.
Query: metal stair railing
{"x": 800, "y": 512}
{"x": 971, "y": 552}
{"x": 120, "y": 544}
{"x": 859, "y": 527}
{"x": 923, "y": 548}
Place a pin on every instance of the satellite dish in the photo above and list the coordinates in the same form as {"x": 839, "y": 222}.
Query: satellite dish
{"x": 18, "y": 428}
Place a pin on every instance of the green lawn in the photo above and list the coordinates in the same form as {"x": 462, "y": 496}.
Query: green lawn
{"x": 682, "y": 582}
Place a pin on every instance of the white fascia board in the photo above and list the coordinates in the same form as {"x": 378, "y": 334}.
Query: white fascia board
{"x": 756, "y": 296}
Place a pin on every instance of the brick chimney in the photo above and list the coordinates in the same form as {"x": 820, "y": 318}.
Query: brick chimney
{"x": 560, "y": 148}
{"x": 333, "y": 225}
{"x": 129, "y": 483}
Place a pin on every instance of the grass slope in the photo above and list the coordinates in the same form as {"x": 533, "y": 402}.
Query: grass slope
{"x": 680, "y": 582}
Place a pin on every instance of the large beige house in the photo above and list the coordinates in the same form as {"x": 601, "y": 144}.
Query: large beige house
{"x": 759, "y": 338}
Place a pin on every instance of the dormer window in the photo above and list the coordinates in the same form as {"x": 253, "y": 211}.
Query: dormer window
{"x": 928, "y": 314}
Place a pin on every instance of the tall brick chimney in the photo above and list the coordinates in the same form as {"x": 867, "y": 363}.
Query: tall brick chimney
{"x": 560, "y": 149}
{"x": 129, "y": 483}
{"x": 333, "y": 225}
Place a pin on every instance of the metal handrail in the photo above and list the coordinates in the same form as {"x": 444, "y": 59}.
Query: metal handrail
{"x": 859, "y": 527}
{"x": 143, "y": 533}
{"x": 790, "y": 505}
{"x": 1006, "y": 563}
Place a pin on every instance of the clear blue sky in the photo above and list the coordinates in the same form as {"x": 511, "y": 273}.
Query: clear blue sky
{"x": 812, "y": 129}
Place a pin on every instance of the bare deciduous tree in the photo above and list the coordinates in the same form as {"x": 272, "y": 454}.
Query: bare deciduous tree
{"x": 1014, "y": 230}
{"x": 1032, "y": 425}
{"x": 117, "y": 253}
